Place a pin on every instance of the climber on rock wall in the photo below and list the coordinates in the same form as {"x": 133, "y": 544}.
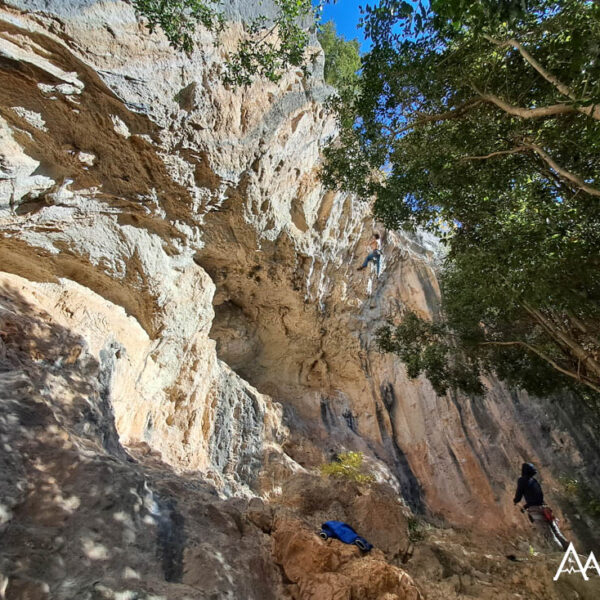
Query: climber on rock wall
{"x": 539, "y": 514}
{"x": 374, "y": 254}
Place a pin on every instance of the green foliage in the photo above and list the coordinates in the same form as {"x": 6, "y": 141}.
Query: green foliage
{"x": 416, "y": 529}
{"x": 342, "y": 58}
{"x": 273, "y": 45}
{"x": 480, "y": 121}
{"x": 570, "y": 487}
{"x": 426, "y": 347}
{"x": 348, "y": 466}
{"x": 178, "y": 19}
{"x": 582, "y": 495}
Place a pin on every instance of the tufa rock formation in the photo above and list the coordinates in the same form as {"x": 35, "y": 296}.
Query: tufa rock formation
{"x": 183, "y": 331}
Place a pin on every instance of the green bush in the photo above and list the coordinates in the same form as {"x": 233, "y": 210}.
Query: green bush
{"x": 342, "y": 58}
{"x": 348, "y": 466}
{"x": 416, "y": 529}
{"x": 582, "y": 495}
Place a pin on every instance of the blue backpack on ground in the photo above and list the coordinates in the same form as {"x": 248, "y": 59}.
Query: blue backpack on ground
{"x": 344, "y": 533}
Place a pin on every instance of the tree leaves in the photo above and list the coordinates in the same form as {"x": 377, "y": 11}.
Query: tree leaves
{"x": 178, "y": 19}
{"x": 342, "y": 58}
{"x": 273, "y": 45}
{"x": 483, "y": 115}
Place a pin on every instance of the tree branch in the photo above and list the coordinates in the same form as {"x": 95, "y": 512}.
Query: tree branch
{"x": 550, "y": 361}
{"x": 571, "y": 177}
{"x": 583, "y": 327}
{"x": 269, "y": 32}
{"x": 512, "y": 43}
{"x": 423, "y": 119}
{"x": 592, "y": 111}
{"x": 575, "y": 348}
{"x": 516, "y": 150}
{"x": 528, "y": 113}
{"x": 575, "y": 179}
{"x": 524, "y": 113}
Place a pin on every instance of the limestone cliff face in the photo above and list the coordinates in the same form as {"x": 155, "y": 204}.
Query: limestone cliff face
{"x": 171, "y": 236}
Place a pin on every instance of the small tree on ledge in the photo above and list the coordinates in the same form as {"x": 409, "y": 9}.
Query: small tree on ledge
{"x": 348, "y": 466}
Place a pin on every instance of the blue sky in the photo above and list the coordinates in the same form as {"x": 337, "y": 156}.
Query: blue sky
{"x": 345, "y": 15}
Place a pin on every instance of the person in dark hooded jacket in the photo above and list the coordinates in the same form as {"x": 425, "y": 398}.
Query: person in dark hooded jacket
{"x": 529, "y": 487}
{"x": 539, "y": 514}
